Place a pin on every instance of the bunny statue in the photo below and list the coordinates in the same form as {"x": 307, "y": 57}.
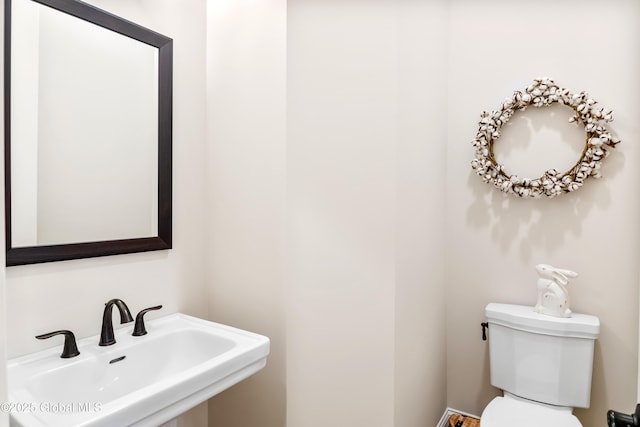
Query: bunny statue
{"x": 553, "y": 295}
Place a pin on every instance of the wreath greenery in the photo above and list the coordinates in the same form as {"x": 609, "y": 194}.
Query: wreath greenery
{"x": 542, "y": 93}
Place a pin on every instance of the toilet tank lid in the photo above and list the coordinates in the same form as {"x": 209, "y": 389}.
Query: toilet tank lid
{"x": 524, "y": 318}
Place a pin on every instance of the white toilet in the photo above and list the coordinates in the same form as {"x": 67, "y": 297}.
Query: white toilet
{"x": 542, "y": 363}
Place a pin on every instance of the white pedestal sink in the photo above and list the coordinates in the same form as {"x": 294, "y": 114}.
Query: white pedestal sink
{"x": 139, "y": 381}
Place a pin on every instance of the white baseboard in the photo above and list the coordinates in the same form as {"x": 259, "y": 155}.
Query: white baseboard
{"x": 450, "y": 411}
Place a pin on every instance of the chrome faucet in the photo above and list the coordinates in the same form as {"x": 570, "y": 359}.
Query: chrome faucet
{"x": 106, "y": 335}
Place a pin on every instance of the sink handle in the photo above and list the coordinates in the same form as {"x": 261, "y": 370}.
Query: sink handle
{"x": 70, "y": 349}
{"x": 139, "y": 329}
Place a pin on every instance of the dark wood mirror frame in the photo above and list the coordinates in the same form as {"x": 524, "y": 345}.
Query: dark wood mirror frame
{"x": 49, "y": 253}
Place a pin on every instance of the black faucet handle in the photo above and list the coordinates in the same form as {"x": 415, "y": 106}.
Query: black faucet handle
{"x": 139, "y": 329}
{"x": 69, "y": 349}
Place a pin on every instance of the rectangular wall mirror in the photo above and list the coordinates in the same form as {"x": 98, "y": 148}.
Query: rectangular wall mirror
{"x": 88, "y": 133}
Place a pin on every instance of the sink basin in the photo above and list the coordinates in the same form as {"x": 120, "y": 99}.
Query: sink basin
{"x": 139, "y": 381}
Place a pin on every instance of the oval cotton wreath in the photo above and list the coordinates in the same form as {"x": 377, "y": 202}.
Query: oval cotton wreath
{"x": 542, "y": 93}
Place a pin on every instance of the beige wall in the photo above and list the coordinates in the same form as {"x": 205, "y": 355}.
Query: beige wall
{"x": 341, "y": 171}
{"x": 336, "y": 206}
{"x": 420, "y": 359}
{"x": 493, "y": 242}
{"x": 246, "y": 44}
{"x": 71, "y": 294}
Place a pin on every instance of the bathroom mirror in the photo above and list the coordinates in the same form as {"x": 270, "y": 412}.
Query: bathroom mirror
{"x": 88, "y": 133}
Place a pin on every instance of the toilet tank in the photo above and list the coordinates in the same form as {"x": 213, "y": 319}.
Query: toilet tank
{"x": 539, "y": 357}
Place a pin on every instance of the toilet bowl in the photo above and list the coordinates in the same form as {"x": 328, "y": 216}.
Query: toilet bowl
{"x": 542, "y": 363}
{"x": 510, "y": 410}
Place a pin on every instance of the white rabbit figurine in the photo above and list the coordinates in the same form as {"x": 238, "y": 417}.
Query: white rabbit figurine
{"x": 553, "y": 295}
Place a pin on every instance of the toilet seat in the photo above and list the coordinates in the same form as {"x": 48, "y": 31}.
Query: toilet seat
{"x": 509, "y": 410}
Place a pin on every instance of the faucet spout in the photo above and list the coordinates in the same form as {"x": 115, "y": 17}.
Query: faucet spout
{"x": 107, "y": 337}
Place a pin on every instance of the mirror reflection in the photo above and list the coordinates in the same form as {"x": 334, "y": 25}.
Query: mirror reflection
{"x": 85, "y": 167}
